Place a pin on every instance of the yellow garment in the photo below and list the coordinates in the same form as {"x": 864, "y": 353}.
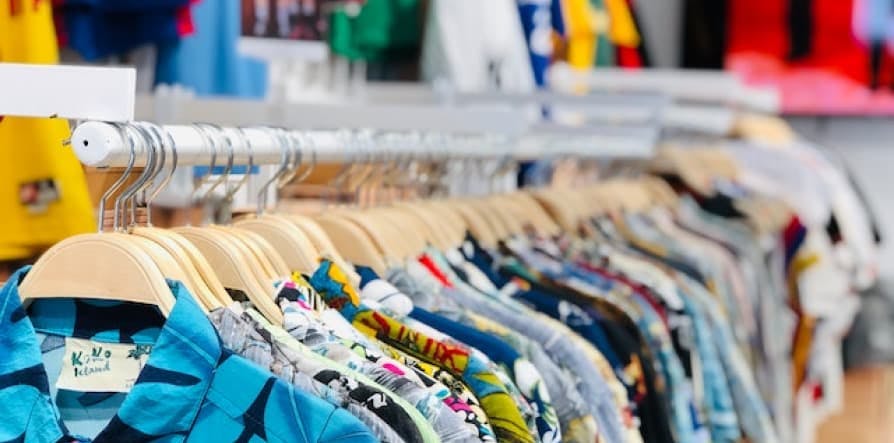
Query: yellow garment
{"x": 581, "y": 28}
{"x": 804, "y": 332}
{"x": 623, "y": 27}
{"x": 43, "y": 192}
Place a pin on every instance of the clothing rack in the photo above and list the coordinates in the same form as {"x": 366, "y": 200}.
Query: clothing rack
{"x": 633, "y": 283}
{"x": 105, "y": 145}
{"x": 420, "y": 131}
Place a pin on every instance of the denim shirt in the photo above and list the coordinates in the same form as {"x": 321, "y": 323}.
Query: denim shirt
{"x": 189, "y": 389}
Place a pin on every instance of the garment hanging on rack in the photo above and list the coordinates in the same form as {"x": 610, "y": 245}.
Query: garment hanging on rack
{"x": 189, "y": 385}
{"x": 43, "y": 197}
{"x": 616, "y": 311}
{"x": 100, "y": 29}
{"x": 208, "y": 62}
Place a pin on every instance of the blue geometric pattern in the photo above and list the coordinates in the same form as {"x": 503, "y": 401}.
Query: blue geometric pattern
{"x": 191, "y": 389}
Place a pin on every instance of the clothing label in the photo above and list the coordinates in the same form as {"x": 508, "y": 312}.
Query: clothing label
{"x": 90, "y": 366}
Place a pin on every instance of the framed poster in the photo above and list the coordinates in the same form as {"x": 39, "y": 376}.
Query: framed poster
{"x": 284, "y": 29}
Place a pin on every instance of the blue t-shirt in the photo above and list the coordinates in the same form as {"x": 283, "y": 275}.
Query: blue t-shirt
{"x": 190, "y": 388}
{"x": 208, "y": 61}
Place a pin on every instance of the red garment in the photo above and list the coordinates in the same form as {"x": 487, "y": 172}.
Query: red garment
{"x": 630, "y": 56}
{"x": 435, "y": 271}
{"x": 761, "y": 27}
{"x": 185, "y": 25}
{"x": 59, "y": 21}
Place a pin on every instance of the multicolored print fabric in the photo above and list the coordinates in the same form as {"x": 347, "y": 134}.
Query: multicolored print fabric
{"x": 507, "y": 421}
{"x": 427, "y": 396}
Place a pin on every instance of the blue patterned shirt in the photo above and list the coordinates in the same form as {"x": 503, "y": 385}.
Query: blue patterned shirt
{"x": 189, "y": 388}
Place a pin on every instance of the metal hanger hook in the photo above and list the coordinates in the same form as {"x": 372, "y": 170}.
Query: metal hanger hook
{"x": 285, "y": 159}
{"x": 128, "y": 194}
{"x": 312, "y": 147}
{"x": 212, "y": 144}
{"x": 167, "y": 141}
{"x": 218, "y": 132}
{"x": 122, "y": 130}
{"x": 246, "y": 143}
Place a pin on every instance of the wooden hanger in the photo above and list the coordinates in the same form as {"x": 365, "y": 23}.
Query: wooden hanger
{"x": 477, "y": 225}
{"x": 435, "y": 231}
{"x": 557, "y": 207}
{"x": 454, "y": 222}
{"x": 542, "y": 220}
{"x": 235, "y": 266}
{"x": 203, "y": 267}
{"x": 324, "y": 244}
{"x": 389, "y": 241}
{"x": 678, "y": 161}
{"x": 636, "y": 198}
{"x": 200, "y": 279}
{"x": 768, "y": 129}
{"x": 417, "y": 233}
{"x": 499, "y": 226}
{"x": 660, "y": 190}
{"x": 98, "y": 266}
{"x": 291, "y": 244}
{"x": 316, "y": 235}
{"x": 111, "y": 266}
{"x": 527, "y": 217}
{"x": 353, "y": 242}
{"x": 496, "y": 204}
{"x": 176, "y": 264}
{"x": 265, "y": 251}
{"x": 265, "y": 271}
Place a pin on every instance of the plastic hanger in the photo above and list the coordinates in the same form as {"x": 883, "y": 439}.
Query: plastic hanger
{"x": 106, "y": 266}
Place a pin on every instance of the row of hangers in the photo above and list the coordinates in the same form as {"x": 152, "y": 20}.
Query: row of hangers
{"x": 221, "y": 263}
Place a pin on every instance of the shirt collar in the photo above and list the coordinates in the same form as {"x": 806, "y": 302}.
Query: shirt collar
{"x": 169, "y": 390}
